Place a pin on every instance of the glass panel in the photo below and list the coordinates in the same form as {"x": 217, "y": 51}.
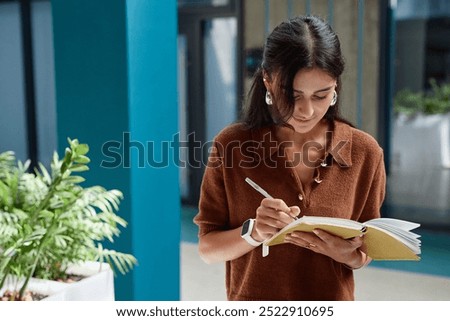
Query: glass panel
{"x": 13, "y": 130}
{"x": 420, "y": 173}
{"x": 220, "y": 74}
{"x": 415, "y": 9}
{"x": 44, "y": 79}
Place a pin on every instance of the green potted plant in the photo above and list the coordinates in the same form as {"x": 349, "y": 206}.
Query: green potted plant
{"x": 421, "y": 133}
{"x": 435, "y": 101}
{"x": 49, "y": 222}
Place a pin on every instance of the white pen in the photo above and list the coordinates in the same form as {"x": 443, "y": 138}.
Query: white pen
{"x": 261, "y": 190}
{"x": 257, "y": 187}
{"x": 265, "y": 248}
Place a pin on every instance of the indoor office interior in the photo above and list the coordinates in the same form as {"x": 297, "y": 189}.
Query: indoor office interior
{"x": 395, "y": 51}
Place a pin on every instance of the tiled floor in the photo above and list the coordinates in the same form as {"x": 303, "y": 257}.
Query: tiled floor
{"x": 203, "y": 282}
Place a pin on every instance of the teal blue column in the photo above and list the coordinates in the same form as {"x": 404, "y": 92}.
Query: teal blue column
{"x": 116, "y": 85}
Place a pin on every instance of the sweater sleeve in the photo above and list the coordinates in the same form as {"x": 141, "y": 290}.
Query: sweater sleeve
{"x": 376, "y": 193}
{"x": 213, "y": 207}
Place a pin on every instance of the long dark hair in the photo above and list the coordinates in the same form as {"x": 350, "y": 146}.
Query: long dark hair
{"x": 301, "y": 42}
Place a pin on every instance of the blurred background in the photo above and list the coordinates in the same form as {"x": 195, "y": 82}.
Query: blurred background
{"x": 177, "y": 72}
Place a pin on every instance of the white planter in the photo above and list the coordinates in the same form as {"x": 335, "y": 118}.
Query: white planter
{"x": 421, "y": 142}
{"x": 418, "y": 182}
{"x": 97, "y": 286}
{"x": 51, "y": 289}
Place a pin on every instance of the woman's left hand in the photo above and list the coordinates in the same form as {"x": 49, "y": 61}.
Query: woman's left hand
{"x": 341, "y": 250}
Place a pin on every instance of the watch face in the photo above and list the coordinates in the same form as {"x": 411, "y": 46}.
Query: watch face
{"x": 245, "y": 227}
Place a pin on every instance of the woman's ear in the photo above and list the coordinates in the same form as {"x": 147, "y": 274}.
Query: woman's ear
{"x": 266, "y": 80}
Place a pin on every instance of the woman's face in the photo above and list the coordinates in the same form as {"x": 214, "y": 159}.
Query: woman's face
{"x": 313, "y": 92}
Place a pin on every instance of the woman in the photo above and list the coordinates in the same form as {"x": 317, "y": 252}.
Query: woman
{"x": 292, "y": 143}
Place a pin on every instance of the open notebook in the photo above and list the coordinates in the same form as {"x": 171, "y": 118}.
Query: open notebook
{"x": 385, "y": 238}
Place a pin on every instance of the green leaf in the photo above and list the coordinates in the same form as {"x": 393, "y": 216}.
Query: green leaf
{"x": 45, "y": 214}
{"x": 68, "y": 154}
{"x": 82, "y": 149}
{"x": 79, "y": 168}
{"x": 82, "y": 159}
{"x": 73, "y": 143}
{"x": 45, "y": 174}
{"x": 75, "y": 179}
{"x": 55, "y": 158}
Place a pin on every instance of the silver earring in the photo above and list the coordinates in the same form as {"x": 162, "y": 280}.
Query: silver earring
{"x": 334, "y": 100}
{"x": 268, "y": 98}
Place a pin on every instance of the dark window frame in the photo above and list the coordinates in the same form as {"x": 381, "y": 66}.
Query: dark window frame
{"x": 29, "y": 85}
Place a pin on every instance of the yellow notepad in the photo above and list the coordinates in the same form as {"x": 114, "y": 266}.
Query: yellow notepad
{"x": 385, "y": 238}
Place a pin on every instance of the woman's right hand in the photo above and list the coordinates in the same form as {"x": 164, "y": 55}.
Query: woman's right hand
{"x": 271, "y": 216}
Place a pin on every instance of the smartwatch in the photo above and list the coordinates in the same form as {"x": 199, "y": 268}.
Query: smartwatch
{"x": 246, "y": 232}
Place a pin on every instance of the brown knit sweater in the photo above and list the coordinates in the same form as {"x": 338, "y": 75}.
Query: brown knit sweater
{"x": 352, "y": 186}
